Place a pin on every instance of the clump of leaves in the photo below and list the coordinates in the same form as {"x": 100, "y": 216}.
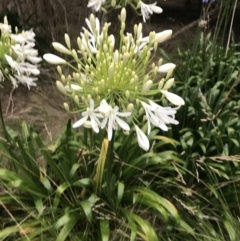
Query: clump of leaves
{"x": 59, "y": 192}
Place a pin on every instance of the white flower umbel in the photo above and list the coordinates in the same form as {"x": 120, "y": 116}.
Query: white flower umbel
{"x": 112, "y": 118}
{"x": 19, "y": 58}
{"x": 122, "y": 80}
{"x": 94, "y": 116}
{"x": 95, "y": 4}
{"x": 148, "y": 9}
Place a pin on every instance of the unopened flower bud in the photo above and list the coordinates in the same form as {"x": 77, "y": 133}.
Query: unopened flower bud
{"x": 61, "y": 87}
{"x": 59, "y": 69}
{"x": 53, "y": 59}
{"x": 160, "y": 85}
{"x": 60, "y": 48}
{"x": 139, "y": 30}
{"x": 163, "y": 36}
{"x": 74, "y": 54}
{"x": 147, "y": 86}
{"x": 66, "y": 106}
{"x": 130, "y": 107}
{"x": 67, "y": 40}
{"x": 141, "y": 111}
{"x": 168, "y": 84}
{"x": 123, "y": 15}
{"x": 127, "y": 94}
{"x": 79, "y": 42}
{"x": 89, "y": 97}
{"x": 63, "y": 79}
{"x": 111, "y": 71}
{"x": 76, "y": 99}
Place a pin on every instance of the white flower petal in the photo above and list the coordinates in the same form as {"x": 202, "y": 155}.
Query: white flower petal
{"x": 142, "y": 139}
{"x": 80, "y": 122}
{"x": 122, "y": 124}
{"x": 173, "y": 98}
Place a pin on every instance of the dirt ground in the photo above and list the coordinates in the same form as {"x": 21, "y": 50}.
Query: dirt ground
{"x": 42, "y": 107}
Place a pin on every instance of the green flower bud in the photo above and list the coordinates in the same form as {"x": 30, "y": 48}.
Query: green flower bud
{"x": 76, "y": 99}
{"x": 60, "y": 87}
{"x": 67, "y": 40}
{"x": 130, "y": 107}
{"x": 66, "y": 106}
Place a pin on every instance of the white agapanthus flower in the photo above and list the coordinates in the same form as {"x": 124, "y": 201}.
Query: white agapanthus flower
{"x": 116, "y": 86}
{"x": 90, "y": 39}
{"x": 94, "y": 116}
{"x": 148, "y": 9}
{"x": 21, "y": 59}
{"x": 112, "y": 118}
{"x": 95, "y": 4}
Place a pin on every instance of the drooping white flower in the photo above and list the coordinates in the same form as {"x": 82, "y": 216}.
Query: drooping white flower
{"x": 111, "y": 118}
{"x": 94, "y": 116}
{"x": 173, "y": 98}
{"x": 159, "y": 116}
{"x": 142, "y": 139}
{"x": 29, "y": 81}
{"x": 22, "y": 68}
{"x": 148, "y": 9}
{"x": 95, "y": 4}
{"x": 166, "y": 115}
{"x": 26, "y": 52}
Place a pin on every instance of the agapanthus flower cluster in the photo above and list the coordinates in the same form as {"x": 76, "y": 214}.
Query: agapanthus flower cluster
{"x": 146, "y": 10}
{"x": 114, "y": 85}
{"x": 19, "y": 59}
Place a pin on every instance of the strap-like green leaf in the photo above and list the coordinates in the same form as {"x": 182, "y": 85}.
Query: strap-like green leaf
{"x": 104, "y": 228}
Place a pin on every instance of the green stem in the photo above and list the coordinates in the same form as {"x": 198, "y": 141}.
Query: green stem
{"x": 110, "y": 157}
{"x": 5, "y": 133}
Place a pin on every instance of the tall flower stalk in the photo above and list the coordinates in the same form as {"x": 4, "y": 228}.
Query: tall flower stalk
{"x": 113, "y": 85}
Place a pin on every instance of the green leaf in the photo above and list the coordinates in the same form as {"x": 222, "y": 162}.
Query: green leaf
{"x": 104, "y": 228}
{"x": 120, "y": 191}
{"x": 39, "y": 205}
{"x": 70, "y": 222}
{"x": 148, "y": 233}
{"x": 152, "y": 199}
{"x": 47, "y": 155}
{"x": 87, "y": 208}
{"x": 58, "y": 194}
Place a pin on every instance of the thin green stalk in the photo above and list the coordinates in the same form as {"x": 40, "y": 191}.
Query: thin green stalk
{"x": 230, "y": 30}
{"x": 5, "y": 133}
{"x": 110, "y": 157}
